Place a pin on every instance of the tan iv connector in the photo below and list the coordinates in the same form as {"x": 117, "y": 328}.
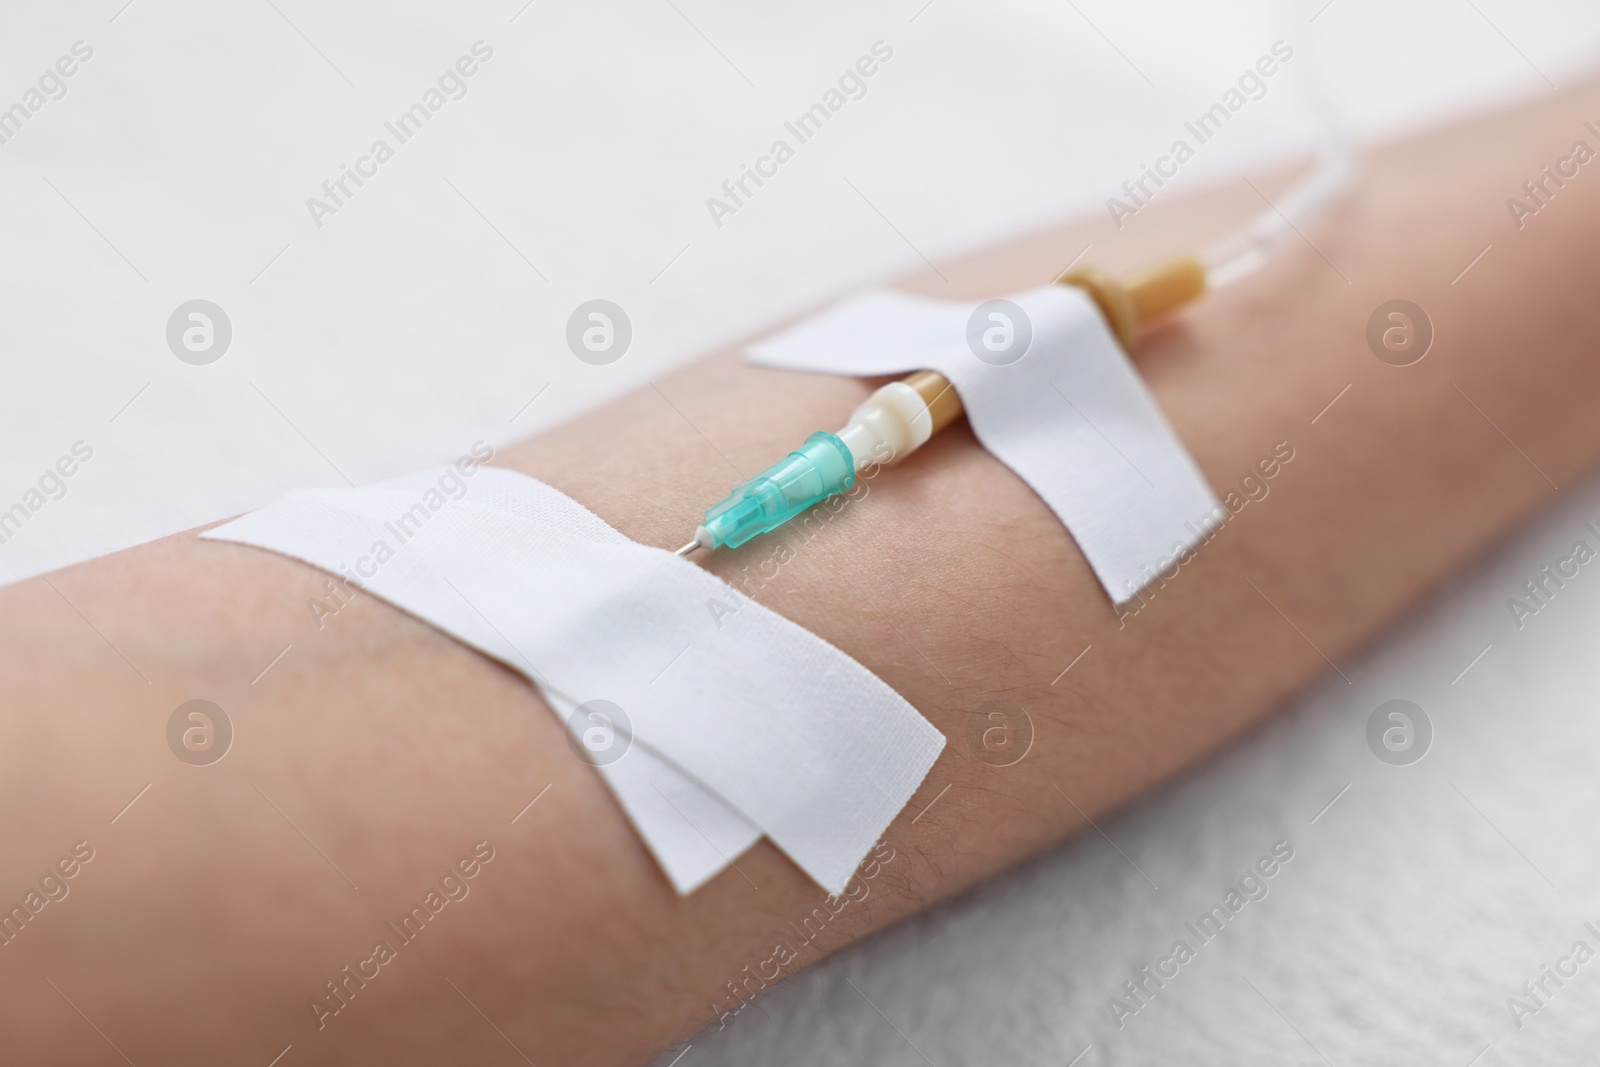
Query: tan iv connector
{"x": 1148, "y": 295}
{"x": 1129, "y": 305}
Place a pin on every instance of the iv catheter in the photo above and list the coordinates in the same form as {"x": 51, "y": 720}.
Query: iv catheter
{"x": 903, "y": 415}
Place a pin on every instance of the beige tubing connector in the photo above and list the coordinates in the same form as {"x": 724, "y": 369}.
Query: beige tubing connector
{"x": 1144, "y": 297}
{"x": 944, "y": 406}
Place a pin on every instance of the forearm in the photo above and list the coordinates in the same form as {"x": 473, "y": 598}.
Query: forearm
{"x": 377, "y": 752}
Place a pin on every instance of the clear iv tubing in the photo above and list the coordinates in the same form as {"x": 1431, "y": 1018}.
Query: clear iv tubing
{"x": 1248, "y": 249}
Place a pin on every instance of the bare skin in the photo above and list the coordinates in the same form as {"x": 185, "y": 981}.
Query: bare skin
{"x": 378, "y": 753}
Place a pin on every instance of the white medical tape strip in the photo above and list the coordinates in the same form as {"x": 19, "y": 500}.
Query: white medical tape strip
{"x": 745, "y": 722}
{"x": 1071, "y": 417}
{"x": 691, "y": 832}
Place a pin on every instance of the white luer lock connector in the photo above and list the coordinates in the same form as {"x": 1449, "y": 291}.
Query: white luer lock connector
{"x": 888, "y": 426}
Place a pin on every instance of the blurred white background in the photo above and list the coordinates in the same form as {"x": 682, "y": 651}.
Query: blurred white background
{"x": 431, "y": 309}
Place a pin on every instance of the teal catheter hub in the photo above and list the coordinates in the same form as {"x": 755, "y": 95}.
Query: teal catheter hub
{"x": 889, "y": 424}
{"x": 818, "y": 469}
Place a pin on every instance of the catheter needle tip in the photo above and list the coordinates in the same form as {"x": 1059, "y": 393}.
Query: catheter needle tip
{"x": 688, "y": 548}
